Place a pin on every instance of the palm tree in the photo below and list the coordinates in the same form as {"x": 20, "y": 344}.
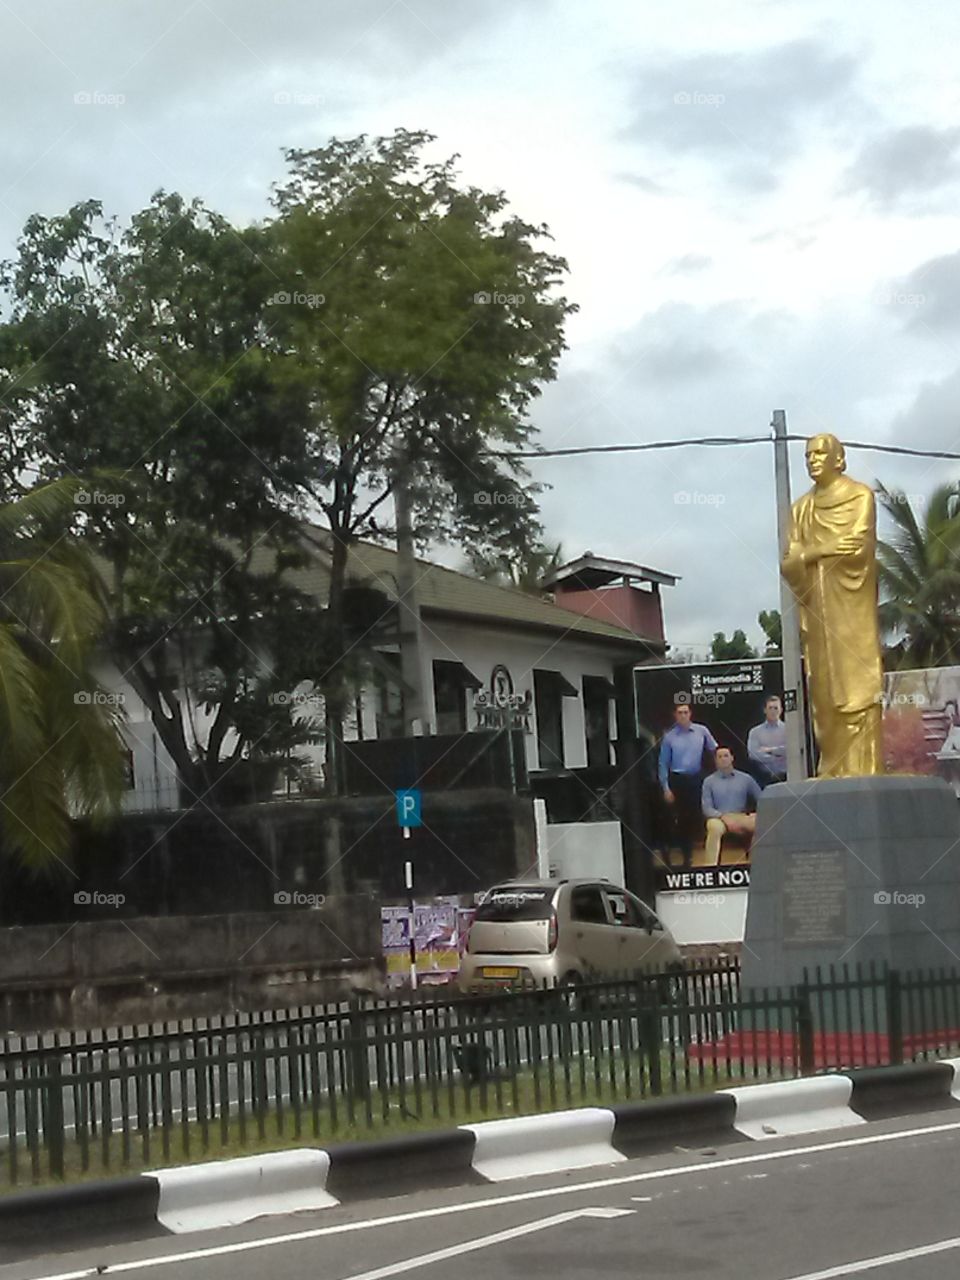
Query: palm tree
{"x": 60, "y": 748}
{"x": 919, "y": 570}
{"x": 524, "y": 570}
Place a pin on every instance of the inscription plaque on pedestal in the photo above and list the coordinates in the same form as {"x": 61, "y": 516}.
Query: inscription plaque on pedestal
{"x": 814, "y": 897}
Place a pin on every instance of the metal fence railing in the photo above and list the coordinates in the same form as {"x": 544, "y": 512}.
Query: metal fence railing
{"x": 87, "y": 1103}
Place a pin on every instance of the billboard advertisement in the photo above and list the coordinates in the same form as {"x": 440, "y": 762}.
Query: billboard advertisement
{"x": 701, "y": 824}
{"x": 700, "y": 708}
{"x": 921, "y": 723}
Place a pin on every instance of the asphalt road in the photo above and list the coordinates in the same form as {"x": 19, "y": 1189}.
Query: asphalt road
{"x": 880, "y": 1199}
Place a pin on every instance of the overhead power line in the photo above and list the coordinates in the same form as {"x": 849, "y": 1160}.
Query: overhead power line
{"x": 713, "y": 442}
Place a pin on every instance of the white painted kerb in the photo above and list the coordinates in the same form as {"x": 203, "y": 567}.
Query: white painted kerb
{"x": 198, "y": 1197}
{"x": 794, "y": 1106}
{"x": 955, "y": 1088}
{"x": 527, "y": 1145}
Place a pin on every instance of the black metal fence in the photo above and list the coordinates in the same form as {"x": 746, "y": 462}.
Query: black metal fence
{"x": 128, "y": 1098}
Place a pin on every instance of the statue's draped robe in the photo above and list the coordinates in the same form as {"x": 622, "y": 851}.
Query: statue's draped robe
{"x": 837, "y": 596}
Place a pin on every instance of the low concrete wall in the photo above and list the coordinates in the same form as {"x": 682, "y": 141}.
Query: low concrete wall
{"x": 144, "y": 969}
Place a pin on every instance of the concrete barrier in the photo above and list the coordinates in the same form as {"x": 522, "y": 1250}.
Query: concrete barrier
{"x": 397, "y": 1166}
{"x": 910, "y": 1089}
{"x": 118, "y": 1209}
{"x": 527, "y": 1145}
{"x": 794, "y": 1106}
{"x": 704, "y": 1120}
{"x": 954, "y": 1065}
{"x": 197, "y": 1197}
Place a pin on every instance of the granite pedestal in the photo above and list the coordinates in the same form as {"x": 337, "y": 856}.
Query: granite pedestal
{"x": 853, "y": 870}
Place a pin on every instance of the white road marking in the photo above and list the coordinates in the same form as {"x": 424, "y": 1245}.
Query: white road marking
{"x": 882, "y": 1260}
{"x": 484, "y": 1242}
{"x": 519, "y": 1197}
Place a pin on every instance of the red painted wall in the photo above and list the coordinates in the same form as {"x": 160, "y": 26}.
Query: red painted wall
{"x": 638, "y": 611}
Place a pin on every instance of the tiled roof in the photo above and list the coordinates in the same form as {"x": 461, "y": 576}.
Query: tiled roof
{"x": 446, "y": 592}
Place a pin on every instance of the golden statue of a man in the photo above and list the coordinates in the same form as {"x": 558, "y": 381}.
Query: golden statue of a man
{"x": 831, "y": 567}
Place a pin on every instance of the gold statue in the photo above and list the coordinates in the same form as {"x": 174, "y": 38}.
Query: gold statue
{"x": 831, "y": 568}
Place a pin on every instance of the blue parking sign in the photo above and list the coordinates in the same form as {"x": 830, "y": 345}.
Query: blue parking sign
{"x": 409, "y": 802}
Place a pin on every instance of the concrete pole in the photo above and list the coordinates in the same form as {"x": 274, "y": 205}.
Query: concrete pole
{"x": 415, "y": 721}
{"x": 794, "y": 691}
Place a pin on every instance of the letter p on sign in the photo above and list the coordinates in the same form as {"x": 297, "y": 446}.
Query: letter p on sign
{"x": 409, "y": 808}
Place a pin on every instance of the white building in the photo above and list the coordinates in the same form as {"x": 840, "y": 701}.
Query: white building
{"x": 484, "y": 650}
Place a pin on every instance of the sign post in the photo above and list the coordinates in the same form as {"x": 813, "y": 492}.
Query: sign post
{"x": 409, "y": 814}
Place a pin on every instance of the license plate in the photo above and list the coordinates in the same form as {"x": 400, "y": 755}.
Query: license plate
{"x": 500, "y": 972}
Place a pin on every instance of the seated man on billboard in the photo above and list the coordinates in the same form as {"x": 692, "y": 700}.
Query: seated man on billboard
{"x": 767, "y": 744}
{"x": 729, "y": 800}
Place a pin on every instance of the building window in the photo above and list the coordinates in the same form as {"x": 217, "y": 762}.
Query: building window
{"x": 549, "y": 690}
{"x": 450, "y": 697}
{"x": 597, "y": 693}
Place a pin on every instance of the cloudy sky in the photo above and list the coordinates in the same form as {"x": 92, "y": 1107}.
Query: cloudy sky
{"x": 758, "y": 202}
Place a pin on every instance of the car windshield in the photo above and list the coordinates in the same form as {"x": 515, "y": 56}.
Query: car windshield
{"x": 516, "y": 902}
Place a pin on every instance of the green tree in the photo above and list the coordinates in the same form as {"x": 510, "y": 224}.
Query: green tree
{"x": 146, "y": 353}
{"x": 724, "y": 650}
{"x": 420, "y": 320}
{"x": 60, "y": 749}
{"x": 919, "y": 570}
{"x": 772, "y": 627}
{"x": 524, "y": 570}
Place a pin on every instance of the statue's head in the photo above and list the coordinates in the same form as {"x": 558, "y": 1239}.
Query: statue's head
{"x": 825, "y": 458}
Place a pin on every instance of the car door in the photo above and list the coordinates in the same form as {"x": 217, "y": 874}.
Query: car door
{"x": 661, "y": 950}
{"x": 592, "y": 939}
{"x": 636, "y": 948}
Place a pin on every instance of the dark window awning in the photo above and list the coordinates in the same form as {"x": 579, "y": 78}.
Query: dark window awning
{"x": 602, "y": 685}
{"x": 561, "y": 683}
{"x": 456, "y": 671}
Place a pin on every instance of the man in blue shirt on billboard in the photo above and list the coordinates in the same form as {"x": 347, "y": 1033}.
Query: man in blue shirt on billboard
{"x": 681, "y": 771}
{"x": 767, "y": 744}
{"x": 729, "y": 801}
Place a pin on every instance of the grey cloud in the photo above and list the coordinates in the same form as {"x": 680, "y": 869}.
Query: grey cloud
{"x": 197, "y": 95}
{"x": 744, "y": 109}
{"x": 645, "y": 184}
{"x": 905, "y": 163}
{"x": 689, "y": 264}
{"x": 709, "y": 514}
{"x": 933, "y": 422}
{"x": 930, "y": 295}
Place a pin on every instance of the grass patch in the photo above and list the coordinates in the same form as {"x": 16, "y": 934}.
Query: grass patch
{"x": 581, "y": 1081}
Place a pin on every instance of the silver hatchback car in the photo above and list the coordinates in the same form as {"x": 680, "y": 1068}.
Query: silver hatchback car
{"x": 541, "y": 932}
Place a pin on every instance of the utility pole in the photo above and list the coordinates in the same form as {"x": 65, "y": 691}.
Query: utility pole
{"x": 795, "y": 696}
{"x": 415, "y": 721}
